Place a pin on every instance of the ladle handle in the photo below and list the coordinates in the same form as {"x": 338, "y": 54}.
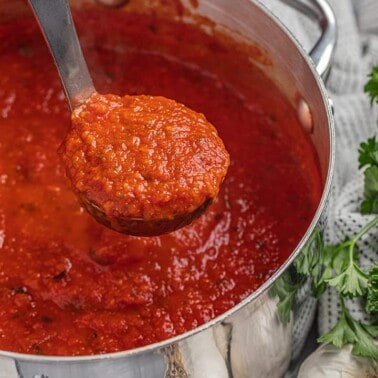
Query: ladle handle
{"x": 55, "y": 20}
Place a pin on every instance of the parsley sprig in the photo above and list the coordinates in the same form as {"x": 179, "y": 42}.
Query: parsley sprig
{"x": 372, "y": 296}
{"x": 340, "y": 269}
{"x": 368, "y": 158}
{"x": 338, "y": 265}
{"x": 371, "y": 87}
{"x": 368, "y": 155}
{"x": 350, "y": 331}
{"x": 340, "y": 262}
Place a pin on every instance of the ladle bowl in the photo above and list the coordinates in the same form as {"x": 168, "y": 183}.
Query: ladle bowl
{"x": 55, "y": 20}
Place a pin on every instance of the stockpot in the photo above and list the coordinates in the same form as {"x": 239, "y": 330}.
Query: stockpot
{"x": 253, "y": 331}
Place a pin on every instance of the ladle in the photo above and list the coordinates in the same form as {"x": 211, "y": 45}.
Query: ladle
{"x": 55, "y": 20}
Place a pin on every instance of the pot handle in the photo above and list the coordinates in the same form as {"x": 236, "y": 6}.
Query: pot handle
{"x": 320, "y": 11}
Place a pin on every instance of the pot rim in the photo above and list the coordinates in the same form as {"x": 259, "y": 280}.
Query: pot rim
{"x": 155, "y": 347}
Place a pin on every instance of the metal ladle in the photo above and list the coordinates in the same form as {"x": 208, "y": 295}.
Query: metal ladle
{"x": 55, "y": 20}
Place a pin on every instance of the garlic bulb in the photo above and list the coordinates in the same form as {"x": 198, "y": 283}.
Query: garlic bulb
{"x": 201, "y": 357}
{"x": 331, "y": 362}
{"x": 260, "y": 343}
{"x": 253, "y": 343}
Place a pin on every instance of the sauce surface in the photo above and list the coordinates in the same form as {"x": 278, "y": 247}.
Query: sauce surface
{"x": 145, "y": 164}
{"x": 69, "y": 286}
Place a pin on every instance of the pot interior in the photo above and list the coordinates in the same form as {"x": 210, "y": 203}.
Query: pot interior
{"x": 272, "y": 52}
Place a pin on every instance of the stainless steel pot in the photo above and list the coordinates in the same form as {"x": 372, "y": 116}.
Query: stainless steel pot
{"x": 249, "y": 324}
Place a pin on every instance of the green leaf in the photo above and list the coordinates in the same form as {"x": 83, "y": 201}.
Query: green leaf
{"x": 341, "y": 269}
{"x": 371, "y": 87}
{"x": 371, "y": 329}
{"x": 351, "y": 282}
{"x": 349, "y": 331}
{"x": 341, "y": 334}
{"x": 372, "y": 292}
{"x": 285, "y": 290}
{"x": 304, "y": 262}
{"x": 285, "y": 306}
{"x": 340, "y": 256}
{"x": 320, "y": 285}
{"x": 310, "y": 256}
{"x": 371, "y": 181}
{"x": 370, "y": 204}
{"x": 311, "y": 261}
{"x": 364, "y": 345}
{"x": 323, "y": 271}
{"x": 368, "y": 153}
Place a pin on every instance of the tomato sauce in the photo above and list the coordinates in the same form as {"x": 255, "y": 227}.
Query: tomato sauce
{"x": 69, "y": 286}
{"x": 145, "y": 158}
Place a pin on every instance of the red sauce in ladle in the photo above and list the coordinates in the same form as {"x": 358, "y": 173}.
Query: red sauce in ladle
{"x": 141, "y": 165}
